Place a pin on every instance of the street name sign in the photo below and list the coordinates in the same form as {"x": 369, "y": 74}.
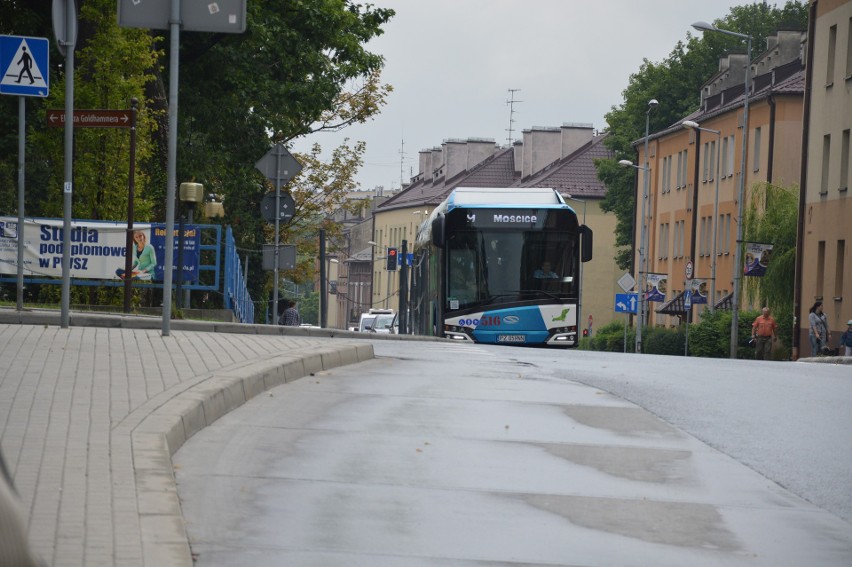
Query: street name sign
{"x": 92, "y": 118}
{"x": 24, "y": 66}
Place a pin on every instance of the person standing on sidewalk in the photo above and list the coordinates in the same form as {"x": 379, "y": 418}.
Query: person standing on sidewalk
{"x": 818, "y": 331}
{"x": 763, "y": 332}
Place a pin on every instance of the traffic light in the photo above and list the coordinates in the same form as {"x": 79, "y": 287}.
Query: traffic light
{"x": 392, "y": 259}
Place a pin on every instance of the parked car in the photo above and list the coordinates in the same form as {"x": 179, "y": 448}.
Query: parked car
{"x": 383, "y": 323}
{"x": 368, "y": 319}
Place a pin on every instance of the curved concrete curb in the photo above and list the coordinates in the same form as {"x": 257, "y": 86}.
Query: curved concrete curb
{"x": 165, "y": 429}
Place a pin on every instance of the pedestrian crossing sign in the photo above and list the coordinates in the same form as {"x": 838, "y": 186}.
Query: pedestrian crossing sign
{"x": 24, "y": 62}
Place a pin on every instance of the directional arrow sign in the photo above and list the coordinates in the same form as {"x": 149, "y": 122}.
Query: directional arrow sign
{"x": 91, "y": 118}
{"x": 626, "y": 302}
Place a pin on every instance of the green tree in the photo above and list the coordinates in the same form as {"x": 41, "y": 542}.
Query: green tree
{"x": 300, "y": 67}
{"x": 771, "y": 218}
{"x": 675, "y": 83}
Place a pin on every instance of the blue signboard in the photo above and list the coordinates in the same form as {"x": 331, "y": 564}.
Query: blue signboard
{"x": 24, "y": 64}
{"x": 626, "y": 302}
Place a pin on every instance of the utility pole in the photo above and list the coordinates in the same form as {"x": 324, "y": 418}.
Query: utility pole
{"x": 511, "y": 102}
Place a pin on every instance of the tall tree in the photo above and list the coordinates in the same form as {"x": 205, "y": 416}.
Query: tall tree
{"x": 300, "y": 66}
{"x": 675, "y": 83}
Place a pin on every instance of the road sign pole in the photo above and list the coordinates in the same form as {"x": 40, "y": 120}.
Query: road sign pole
{"x": 68, "y": 187}
{"x": 22, "y": 129}
{"x": 277, "y": 232}
{"x": 171, "y": 167}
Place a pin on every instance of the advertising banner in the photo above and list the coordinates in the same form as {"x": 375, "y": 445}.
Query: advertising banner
{"x": 756, "y": 258}
{"x": 98, "y": 249}
{"x": 699, "y": 292}
{"x": 657, "y": 286}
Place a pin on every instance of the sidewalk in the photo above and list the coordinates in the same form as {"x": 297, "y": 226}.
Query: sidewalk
{"x": 90, "y": 416}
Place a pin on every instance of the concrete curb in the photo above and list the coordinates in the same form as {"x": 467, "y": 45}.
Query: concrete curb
{"x": 166, "y": 429}
{"x": 11, "y": 316}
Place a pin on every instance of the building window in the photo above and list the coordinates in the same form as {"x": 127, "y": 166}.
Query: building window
{"x": 849, "y": 50}
{"x": 832, "y": 48}
{"x": 712, "y": 159}
{"x": 838, "y": 272}
{"x": 702, "y": 232}
{"x": 685, "y": 165}
{"x": 679, "y": 169}
{"x": 757, "y": 149}
{"x": 706, "y": 156}
{"x": 727, "y": 222}
{"x": 826, "y": 151}
{"x": 731, "y": 157}
{"x": 724, "y": 157}
{"x": 844, "y": 161}
{"x": 820, "y": 270}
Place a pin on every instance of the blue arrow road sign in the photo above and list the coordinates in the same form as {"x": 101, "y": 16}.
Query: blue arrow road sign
{"x": 24, "y": 65}
{"x": 626, "y": 302}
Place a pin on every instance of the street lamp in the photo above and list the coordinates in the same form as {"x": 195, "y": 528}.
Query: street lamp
{"x": 738, "y": 267}
{"x": 690, "y": 125}
{"x": 652, "y": 104}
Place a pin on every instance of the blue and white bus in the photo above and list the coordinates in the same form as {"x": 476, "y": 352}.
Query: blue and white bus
{"x": 480, "y": 268}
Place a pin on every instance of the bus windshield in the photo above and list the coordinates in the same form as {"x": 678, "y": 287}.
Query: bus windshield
{"x": 488, "y": 267}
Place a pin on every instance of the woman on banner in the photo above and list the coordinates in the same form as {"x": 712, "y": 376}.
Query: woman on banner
{"x": 144, "y": 259}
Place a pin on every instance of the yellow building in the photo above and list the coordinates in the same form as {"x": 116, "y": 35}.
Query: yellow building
{"x": 825, "y": 210}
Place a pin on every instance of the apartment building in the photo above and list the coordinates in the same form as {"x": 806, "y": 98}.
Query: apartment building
{"x": 681, "y": 216}
{"x": 824, "y": 208}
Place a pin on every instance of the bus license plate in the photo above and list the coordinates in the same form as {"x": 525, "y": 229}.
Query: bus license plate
{"x": 511, "y": 338}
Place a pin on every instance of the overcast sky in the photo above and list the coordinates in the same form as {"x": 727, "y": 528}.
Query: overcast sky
{"x": 452, "y": 63}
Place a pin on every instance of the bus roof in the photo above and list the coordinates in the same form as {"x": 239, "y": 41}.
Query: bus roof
{"x": 499, "y": 196}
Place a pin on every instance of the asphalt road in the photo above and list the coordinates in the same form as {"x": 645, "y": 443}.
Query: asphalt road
{"x": 444, "y": 454}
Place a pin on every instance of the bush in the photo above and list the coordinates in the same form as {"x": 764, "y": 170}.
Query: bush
{"x": 609, "y": 338}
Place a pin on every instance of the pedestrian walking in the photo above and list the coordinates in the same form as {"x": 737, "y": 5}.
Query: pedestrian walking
{"x": 290, "y": 317}
{"x": 763, "y": 332}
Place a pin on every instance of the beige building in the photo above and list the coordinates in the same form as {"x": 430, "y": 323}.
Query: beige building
{"x": 825, "y": 210}
{"x": 683, "y": 184}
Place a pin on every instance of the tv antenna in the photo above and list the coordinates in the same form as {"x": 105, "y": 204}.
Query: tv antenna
{"x": 511, "y": 102}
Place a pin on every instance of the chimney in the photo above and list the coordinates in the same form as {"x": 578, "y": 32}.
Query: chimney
{"x": 425, "y": 165}
{"x": 518, "y": 157}
{"x": 437, "y": 163}
{"x": 575, "y": 136}
{"x": 478, "y": 150}
{"x": 542, "y": 146}
{"x": 455, "y": 157}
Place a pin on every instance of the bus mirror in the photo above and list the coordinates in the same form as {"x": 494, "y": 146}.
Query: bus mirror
{"x": 438, "y": 236}
{"x": 586, "y": 240}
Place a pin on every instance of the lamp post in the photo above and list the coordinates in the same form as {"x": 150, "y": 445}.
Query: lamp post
{"x": 652, "y": 104}
{"x": 690, "y": 125}
{"x": 640, "y": 276}
{"x": 738, "y": 267}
